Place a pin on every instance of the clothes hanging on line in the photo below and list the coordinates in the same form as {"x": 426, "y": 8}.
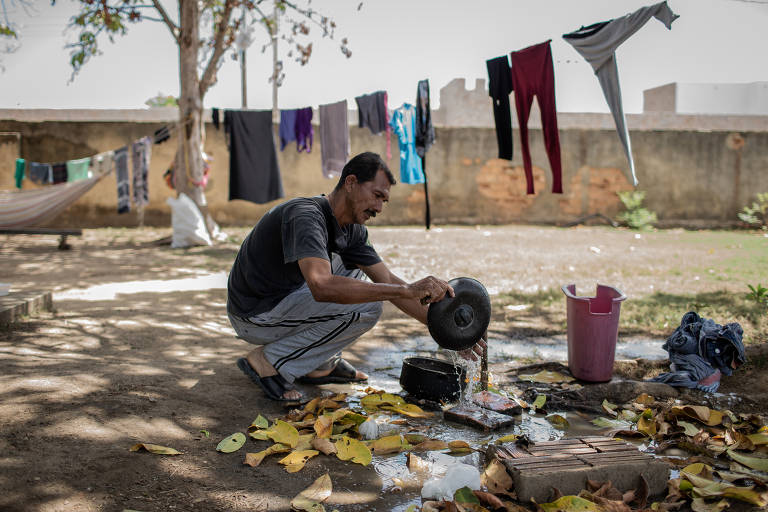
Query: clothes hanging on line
{"x": 533, "y": 75}
{"x": 78, "y": 169}
{"x": 141, "y": 154}
{"x": 162, "y": 134}
{"x": 305, "y": 132}
{"x": 42, "y": 174}
{"x": 287, "y": 129}
{"x": 102, "y": 162}
{"x": 373, "y": 113}
{"x": 499, "y": 89}
{"x": 403, "y": 124}
{"x": 215, "y": 117}
{"x": 424, "y": 135}
{"x": 424, "y": 138}
{"x": 334, "y": 138}
{"x": 597, "y": 43}
{"x": 59, "y": 172}
{"x": 254, "y": 174}
{"x": 123, "y": 183}
{"x": 20, "y": 168}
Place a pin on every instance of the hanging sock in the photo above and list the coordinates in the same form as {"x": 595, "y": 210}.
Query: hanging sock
{"x": 215, "y": 117}
{"x": 161, "y": 135}
{"x": 254, "y": 174}
{"x": 597, "y": 43}
{"x": 334, "y": 138}
{"x": 141, "y": 153}
{"x": 20, "y": 168}
{"x": 372, "y": 112}
{"x": 287, "y": 127}
{"x": 305, "y": 133}
{"x": 59, "y": 172}
{"x": 123, "y": 183}
{"x": 499, "y": 88}
{"x": 42, "y": 174}
{"x": 534, "y": 75}
{"x": 78, "y": 169}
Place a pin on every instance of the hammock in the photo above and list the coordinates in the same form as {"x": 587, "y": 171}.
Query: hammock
{"x": 23, "y": 208}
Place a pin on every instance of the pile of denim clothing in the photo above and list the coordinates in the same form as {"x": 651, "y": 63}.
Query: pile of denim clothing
{"x": 701, "y": 351}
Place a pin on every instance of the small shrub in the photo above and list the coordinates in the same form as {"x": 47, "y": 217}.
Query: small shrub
{"x": 757, "y": 213}
{"x": 635, "y": 215}
{"x": 758, "y": 293}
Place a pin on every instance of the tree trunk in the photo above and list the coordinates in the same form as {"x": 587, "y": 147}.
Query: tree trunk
{"x": 189, "y": 159}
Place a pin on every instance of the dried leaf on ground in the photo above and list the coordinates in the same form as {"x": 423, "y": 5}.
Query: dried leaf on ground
{"x": 310, "y": 499}
{"x": 689, "y": 429}
{"x": 704, "y": 414}
{"x": 506, "y": 439}
{"x": 231, "y": 443}
{"x": 570, "y": 504}
{"x": 708, "y": 488}
{"x": 488, "y": 499}
{"x": 644, "y": 399}
{"x": 610, "y": 408}
{"x": 259, "y": 435}
{"x": 410, "y": 410}
{"x": 557, "y": 421}
{"x": 496, "y": 479}
{"x": 388, "y": 444}
{"x": 354, "y": 450}
{"x": 254, "y": 459}
{"x": 305, "y": 442}
{"x": 296, "y": 460}
{"x": 259, "y": 422}
{"x": 284, "y": 433}
{"x": 465, "y": 495}
{"x": 646, "y": 426}
{"x": 699, "y": 505}
{"x": 323, "y": 445}
{"x": 430, "y": 445}
{"x": 414, "y": 438}
{"x": 758, "y": 463}
{"x": 539, "y": 402}
{"x": 459, "y": 447}
{"x": 758, "y": 439}
{"x": 546, "y": 377}
{"x": 154, "y": 448}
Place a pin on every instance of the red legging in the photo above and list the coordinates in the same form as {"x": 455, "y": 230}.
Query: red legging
{"x": 533, "y": 74}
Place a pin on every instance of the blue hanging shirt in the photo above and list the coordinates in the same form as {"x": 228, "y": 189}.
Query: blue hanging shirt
{"x": 403, "y": 123}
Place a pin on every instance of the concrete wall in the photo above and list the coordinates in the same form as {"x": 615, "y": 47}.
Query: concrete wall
{"x": 741, "y": 99}
{"x": 697, "y": 170}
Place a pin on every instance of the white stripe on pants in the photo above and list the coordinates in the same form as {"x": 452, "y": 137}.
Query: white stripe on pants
{"x": 301, "y": 335}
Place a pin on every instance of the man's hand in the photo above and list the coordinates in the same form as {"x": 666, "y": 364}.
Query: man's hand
{"x": 430, "y": 289}
{"x": 472, "y": 352}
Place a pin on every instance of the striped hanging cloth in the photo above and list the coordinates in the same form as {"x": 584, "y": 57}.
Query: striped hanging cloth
{"x": 24, "y": 208}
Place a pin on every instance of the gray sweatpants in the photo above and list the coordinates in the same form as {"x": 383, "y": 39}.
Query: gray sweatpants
{"x": 599, "y": 50}
{"x": 301, "y": 335}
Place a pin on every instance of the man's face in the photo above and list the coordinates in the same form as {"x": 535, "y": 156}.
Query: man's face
{"x": 368, "y": 198}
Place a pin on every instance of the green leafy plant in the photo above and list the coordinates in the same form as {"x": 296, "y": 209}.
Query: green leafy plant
{"x": 635, "y": 215}
{"x": 757, "y": 213}
{"x": 758, "y": 293}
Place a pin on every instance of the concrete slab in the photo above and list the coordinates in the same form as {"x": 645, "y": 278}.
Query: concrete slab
{"x": 567, "y": 464}
{"x": 16, "y": 305}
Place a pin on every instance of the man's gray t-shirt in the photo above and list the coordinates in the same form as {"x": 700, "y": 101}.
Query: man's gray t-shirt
{"x": 266, "y": 268}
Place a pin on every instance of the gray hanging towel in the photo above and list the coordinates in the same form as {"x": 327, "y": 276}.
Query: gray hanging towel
{"x": 597, "y": 44}
{"x": 123, "y": 183}
{"x": 334, "y": 138}
{"x": 254, "y": 174}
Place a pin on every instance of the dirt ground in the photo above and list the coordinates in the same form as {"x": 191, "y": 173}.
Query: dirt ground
{"x": 120, "y": 362}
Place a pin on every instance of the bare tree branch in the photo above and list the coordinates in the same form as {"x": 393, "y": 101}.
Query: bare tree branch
{"x": 209, "y": 75}
{"x": 169, "y": 23}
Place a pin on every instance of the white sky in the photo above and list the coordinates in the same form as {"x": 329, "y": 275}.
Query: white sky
{"x": 395, "y": 43}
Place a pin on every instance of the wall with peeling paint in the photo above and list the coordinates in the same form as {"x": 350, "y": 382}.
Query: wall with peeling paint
{"x": 691, "y": 177}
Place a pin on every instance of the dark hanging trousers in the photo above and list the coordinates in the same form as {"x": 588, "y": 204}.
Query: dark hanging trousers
{"x": 499, "y": 88}
{"x": 534, "y": 75}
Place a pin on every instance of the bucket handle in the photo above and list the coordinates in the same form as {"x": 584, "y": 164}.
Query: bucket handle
{"x": 570, "y": 292}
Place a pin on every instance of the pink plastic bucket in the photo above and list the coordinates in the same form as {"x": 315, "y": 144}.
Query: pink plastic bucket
{"x": 593, "y": 327}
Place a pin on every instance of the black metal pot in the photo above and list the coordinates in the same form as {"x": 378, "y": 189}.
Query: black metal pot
{"x": 432, "y": 379}
{"x": 458, "y": 322}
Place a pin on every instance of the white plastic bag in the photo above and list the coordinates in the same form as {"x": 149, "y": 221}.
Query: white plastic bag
{"x": 187, "y": 222}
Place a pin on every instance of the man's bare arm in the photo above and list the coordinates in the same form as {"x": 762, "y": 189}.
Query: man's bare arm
{"x": 380, "y": 273}
{"x": 326, "y": 287}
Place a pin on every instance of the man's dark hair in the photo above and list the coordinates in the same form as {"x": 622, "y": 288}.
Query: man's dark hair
{"x": 365, "y": 166}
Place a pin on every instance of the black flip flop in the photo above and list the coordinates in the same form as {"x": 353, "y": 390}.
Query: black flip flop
{"x": 344, "y": 373}
{"x": 273, "y": 386}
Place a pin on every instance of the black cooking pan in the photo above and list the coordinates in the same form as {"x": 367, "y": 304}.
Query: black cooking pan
{"x": 458, "y": 322}
{"x": 432, "y": 379}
